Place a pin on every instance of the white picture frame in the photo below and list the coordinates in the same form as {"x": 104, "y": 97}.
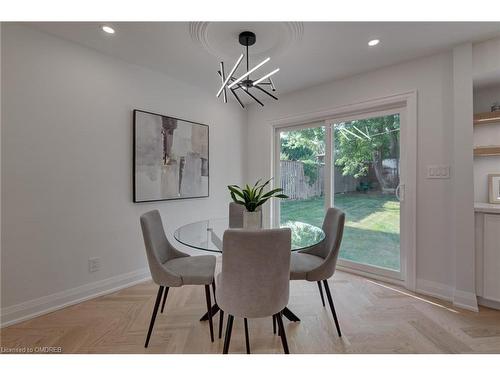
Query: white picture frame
{"x": 494, "y": 188}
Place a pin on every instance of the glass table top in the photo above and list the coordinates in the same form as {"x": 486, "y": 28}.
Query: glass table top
{"x": 207, "y": 234}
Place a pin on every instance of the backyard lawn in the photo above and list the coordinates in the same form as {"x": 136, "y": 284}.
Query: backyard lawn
{"x": 371, "y": 234}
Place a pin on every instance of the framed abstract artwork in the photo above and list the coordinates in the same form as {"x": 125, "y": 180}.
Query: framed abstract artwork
{"x": 171, "y": 158}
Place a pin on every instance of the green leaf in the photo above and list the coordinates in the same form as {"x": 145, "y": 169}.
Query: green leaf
{"x": 262, "y": 202}
{"x": 235, "y": 191}
{"x": 246, "y": 197}
{"x": 261, "y": 188}
{"x": 236, "y": 200}
{"x": 265, "y": 183}
{"x": 271, "y": 192}
{"x": 283, "y": 196}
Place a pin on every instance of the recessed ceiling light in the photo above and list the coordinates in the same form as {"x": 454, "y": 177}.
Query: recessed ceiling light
{"x": 108, "y": 29}
{"x": 373, "y": 42}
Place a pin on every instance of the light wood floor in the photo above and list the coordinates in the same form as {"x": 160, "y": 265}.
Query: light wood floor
{"x": 374, "y": 317}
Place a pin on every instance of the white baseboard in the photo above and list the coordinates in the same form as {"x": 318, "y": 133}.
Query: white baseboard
{"x": 44, "y": 305}
{"x": 434, "y": 289}
{"x": 370, "y": 275}
{"x": 488, "y": 303}
{"x": 460, "y": 298}
{"x": 465, "y": 300}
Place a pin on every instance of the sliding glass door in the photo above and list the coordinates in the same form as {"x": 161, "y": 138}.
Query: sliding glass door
{"x": 354, "y": 164}
{"x": 302, "y": 174}
{"x": 366, "y": 185}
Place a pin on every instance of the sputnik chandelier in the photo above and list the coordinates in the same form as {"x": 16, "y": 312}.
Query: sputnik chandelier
{"x": 244, "y": 83}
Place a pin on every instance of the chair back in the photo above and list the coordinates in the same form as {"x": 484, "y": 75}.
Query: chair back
{"x": 254, "y": 281}
{"x": 158, "y": 248}
{"x": 333, "y": 226}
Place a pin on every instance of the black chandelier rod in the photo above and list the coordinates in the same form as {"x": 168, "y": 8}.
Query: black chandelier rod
{"x": 253, "y": 97}
{"x": 247, "y": 58}
{"x": 265, "y": 91}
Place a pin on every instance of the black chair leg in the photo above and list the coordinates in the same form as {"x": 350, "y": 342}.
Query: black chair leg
{"x": 229, "y": 328}
{"x": 221, "y": 322}
{"x": 330, "y": 301}
{"x": 321, "y": 293}
{"x": 247, "y": 340}
{"x": 221, "y": 313}
{"x": 209, "y": 312}
{"x": 274, "y": 324}
{"x": 164, "y": 299}
{"x": 282, "y": 333}
{"x": 153, "y": 317}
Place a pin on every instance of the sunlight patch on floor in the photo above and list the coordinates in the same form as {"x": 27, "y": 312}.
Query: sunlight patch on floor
{"x": 413, "y": 296}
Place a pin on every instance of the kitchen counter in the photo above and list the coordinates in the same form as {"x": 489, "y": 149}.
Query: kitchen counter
{"x": 488, "y": 208}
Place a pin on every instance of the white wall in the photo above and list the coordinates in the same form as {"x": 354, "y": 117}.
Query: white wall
{"x": 432, "y": 77}
{"x": 486, "y": 59}
{"x": 483, "y": 136}
{"x": 462, "y": 207}
{"x": 67, "y": 167}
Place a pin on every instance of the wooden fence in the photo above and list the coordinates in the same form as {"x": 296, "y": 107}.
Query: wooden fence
{"x": 296, "y": 185}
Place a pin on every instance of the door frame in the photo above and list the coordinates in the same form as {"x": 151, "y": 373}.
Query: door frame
{"x": 408, "y": 137}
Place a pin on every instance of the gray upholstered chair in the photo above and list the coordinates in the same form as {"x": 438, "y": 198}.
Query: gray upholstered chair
{"x": 318, "y": 263}
{"x": 255, "y": 277}
{"x": 172, "y": 268}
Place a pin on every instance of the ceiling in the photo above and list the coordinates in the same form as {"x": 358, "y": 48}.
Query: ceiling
{"x": 307, "y": 53}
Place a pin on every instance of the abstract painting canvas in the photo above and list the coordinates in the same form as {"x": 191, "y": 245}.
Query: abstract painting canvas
{"x": 170, "y": 158}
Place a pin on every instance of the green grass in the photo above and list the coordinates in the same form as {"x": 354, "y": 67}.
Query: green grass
{"x": 371, "y": 234}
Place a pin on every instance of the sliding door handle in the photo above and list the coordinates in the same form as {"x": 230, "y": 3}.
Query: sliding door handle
{"x": 400, "y": 192}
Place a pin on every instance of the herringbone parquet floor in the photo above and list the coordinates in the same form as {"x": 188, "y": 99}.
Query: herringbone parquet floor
{"x": 374, "y": 317}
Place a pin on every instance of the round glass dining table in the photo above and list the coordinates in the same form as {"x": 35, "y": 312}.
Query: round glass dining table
{"x": 207, "y": 235}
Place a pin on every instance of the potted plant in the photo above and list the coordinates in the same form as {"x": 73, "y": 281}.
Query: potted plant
{"x": 253, "y": 197}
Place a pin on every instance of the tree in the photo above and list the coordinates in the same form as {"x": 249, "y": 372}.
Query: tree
{"x": 304, "y": 145}
{"x": 360, "y": 143}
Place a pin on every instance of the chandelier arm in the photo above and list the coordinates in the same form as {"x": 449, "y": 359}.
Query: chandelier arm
{"x": 272, "y": 84}
{"x": 232, "y": 91}
{"x": 249, "y": 72}
{"x": 238, "y": 85}
{"x": 237, "y": 98}
{"x": 221, "y": 73}
{"x": 255, "y": 83}
{"x": 253, "y": 97}
{"x": 230, "y": 75}
{"x": 267, "y": 92}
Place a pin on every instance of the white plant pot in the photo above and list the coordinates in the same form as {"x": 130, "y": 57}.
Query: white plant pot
{"x": 252, "y": 220}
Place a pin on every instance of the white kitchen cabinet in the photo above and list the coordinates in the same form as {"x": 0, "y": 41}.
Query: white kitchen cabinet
{"x": 487, "y": 240}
